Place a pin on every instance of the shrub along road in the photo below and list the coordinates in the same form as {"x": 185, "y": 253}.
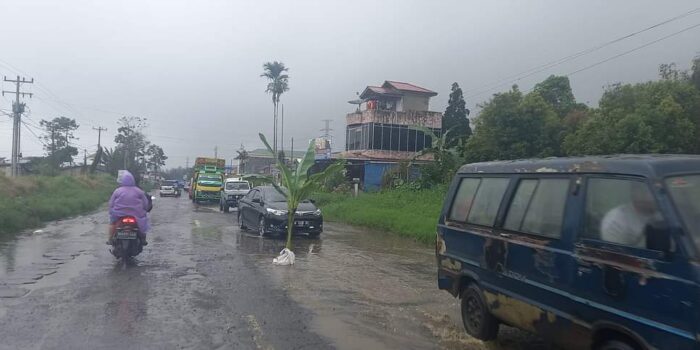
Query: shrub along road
{"x": 201, "y": 283}
{"x": 30, "y": 200}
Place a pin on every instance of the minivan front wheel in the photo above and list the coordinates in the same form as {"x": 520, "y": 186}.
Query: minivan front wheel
{"x": 477, "y": 319}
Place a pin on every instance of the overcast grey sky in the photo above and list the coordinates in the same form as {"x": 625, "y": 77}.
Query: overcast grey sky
{"x": 193, "y": 67}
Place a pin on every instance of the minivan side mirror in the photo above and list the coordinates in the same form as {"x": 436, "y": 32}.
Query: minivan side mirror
{"x": 658, "y": 236}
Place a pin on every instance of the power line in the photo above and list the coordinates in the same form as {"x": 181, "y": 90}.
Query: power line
{"x": 26, "y": 126}
{"x": 634, "y": 49}
{"x": 532, "y": 71}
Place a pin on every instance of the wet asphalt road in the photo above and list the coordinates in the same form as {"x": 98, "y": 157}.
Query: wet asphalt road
{"x": 203, "y": 284}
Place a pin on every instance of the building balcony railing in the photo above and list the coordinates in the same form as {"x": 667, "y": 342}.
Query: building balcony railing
{"x": 426, "y": 119}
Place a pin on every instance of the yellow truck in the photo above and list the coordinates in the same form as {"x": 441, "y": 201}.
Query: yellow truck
{"x": 207, "y": 179}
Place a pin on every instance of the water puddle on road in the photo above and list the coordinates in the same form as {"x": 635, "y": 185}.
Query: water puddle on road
{"x": 372, "y": 290}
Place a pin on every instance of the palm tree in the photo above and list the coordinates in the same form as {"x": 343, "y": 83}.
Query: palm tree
{"x": 278, "y": 83}
{"x": 298, "y": 184}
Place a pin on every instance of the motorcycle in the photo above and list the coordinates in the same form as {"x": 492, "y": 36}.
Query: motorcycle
{"x": 127, "y": 242}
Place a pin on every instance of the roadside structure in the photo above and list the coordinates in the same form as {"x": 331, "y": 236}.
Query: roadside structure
{"x": 260, "y": 161}
{"x": 381, "y": 132}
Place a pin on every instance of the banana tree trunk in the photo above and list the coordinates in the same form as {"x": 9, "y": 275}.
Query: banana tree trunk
{"x": 290, "y": 226}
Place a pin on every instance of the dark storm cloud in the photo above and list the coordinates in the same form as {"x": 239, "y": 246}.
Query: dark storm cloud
{"x": 193, "y": 67}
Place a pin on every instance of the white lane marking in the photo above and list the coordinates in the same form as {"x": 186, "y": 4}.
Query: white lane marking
{"x": 196, "y": 223}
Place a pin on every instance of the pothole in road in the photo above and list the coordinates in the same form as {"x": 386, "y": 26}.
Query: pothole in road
{"x": 13, "y": 292}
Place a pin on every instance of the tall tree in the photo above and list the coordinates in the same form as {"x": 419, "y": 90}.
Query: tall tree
{"x": 556, "y": 90}
{"x": 653, "y": 117}
{"x": 155, "y": 157}
{"x": 455, "y": 118}
{"x": 132, "y": 143}
{"x": 242, "y": 157}
{"x": 58, "y": 136}
{"x": 695, "y": 73}
{"x": 278, "y": 84}
{"x": 512, "y": 125}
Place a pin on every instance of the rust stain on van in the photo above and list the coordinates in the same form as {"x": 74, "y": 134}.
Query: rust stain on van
{"x": 440, "y": 245}
{"x": 586, "y": 167}
{"x": 614, "y": 258}
{"x": 517, "y": 312}
{"x": 495, "y": 254}
{"x": 451, "y": 264}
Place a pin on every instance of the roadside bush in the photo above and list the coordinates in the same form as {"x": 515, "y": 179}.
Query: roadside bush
{"x": 407, "y": 212}
{"x": 28, "y": 201}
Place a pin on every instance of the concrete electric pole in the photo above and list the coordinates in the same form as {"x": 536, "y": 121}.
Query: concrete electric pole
{"x": 17, "y": 110}
{"x": 99, "y": 135}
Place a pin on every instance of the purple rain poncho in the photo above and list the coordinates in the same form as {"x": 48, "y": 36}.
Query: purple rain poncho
{"x": 129, "y": 200}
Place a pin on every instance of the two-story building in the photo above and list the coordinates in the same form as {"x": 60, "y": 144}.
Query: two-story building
{"x": 384, "y": 130}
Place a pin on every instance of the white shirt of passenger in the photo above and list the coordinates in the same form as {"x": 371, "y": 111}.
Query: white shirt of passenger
{"x": 624, "y": 225}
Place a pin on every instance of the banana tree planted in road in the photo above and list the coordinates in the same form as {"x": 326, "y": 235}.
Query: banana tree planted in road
{"x": 297, "y": 183}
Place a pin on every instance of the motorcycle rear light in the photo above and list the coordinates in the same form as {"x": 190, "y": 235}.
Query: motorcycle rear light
{"x": 128, "y": 221}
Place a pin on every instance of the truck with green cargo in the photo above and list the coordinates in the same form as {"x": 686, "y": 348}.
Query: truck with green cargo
{"x": 207, "y": 179}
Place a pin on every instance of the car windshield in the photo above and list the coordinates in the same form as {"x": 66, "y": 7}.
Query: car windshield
{"x": 237, "y": 186}
{"x": 272, "y": 195}
{"x": 685, "y": 191}
{"x": 169, "y": 183}
{"x": 209, "y": 180}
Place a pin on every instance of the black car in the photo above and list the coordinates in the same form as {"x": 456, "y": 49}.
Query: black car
{"x": 265, "y": 210}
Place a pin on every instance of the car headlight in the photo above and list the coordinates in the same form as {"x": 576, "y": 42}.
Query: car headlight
{"x": 317, "y": 212}
{"x": 276, "y": 212}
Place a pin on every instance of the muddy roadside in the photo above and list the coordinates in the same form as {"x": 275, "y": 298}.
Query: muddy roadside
{"x": 371, "y": 290}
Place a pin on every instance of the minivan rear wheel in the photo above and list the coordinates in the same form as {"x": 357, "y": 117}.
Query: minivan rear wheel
{"x": 478, "y": 321}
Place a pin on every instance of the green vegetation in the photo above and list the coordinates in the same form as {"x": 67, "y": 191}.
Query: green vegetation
{"x": 409, "y": 213}
{"x": 28, "y": 201}
{"x": 298, "y": 183}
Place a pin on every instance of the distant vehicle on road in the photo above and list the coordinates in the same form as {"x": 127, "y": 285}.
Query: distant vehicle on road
{"x": 207, "y": 180}
{"x": 232, "y": 191}
{"x": 169, "y": 188}
{"x": 591, "y": 253}
{"x": 265, "y": 210}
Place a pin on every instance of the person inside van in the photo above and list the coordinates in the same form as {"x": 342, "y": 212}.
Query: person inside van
{"x": 625, "y": 223}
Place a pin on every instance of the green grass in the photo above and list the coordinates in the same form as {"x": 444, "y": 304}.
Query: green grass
{"x": 28, "y": 201}
{"x": 408, "y": 213}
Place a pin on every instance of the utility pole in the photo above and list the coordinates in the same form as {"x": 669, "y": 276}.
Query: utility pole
{"x": 282, "y": 134}
{"x": 327, "y": 132}
{"x": 187, "y": 162}
{"x": 17, "y": 110}
{"x": 99, "y": 134}
{"x": 292, "y": 155}
{"x": 327, "y": 129}
{"x": 85, "y": 160}
{"x": 216, "y": 152}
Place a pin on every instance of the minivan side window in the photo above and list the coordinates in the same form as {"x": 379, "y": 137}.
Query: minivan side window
{"x": 618, "y": 210}
{"x": 538, "y": 207}
{"x": 464, "y": 198}
{"x": 487, "y": 200}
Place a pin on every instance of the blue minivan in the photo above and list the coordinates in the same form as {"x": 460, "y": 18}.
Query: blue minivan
{"x": 589, "y": 253}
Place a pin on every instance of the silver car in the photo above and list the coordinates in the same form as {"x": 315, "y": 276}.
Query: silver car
{"x": 232, "y": 190}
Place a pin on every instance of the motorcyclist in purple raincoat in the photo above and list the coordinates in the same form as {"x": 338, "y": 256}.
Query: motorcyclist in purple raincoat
{"x": 128, "y": 200}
